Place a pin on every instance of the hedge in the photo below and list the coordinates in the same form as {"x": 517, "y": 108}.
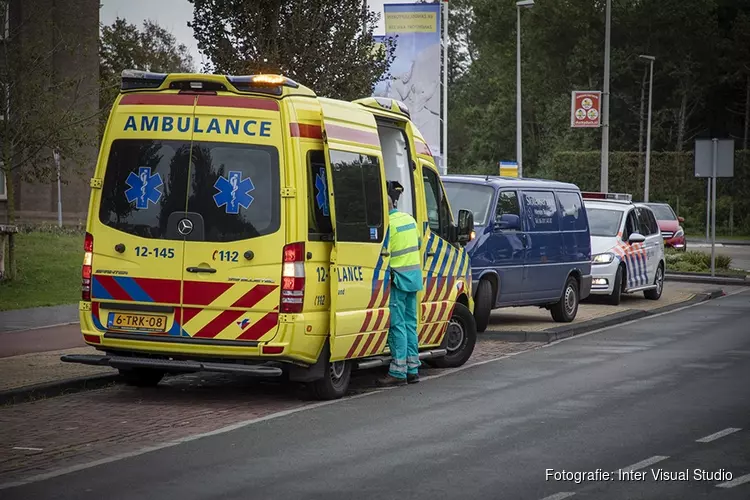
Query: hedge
{"x": 672, "y": 181}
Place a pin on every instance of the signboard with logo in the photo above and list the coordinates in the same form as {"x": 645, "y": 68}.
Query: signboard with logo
{"x": 585, "y": 109}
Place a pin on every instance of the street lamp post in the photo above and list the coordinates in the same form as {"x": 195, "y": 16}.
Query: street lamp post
{"x": 651, "y": 60}
{"x": 527, "y": 4}
{"x": 605, "y": 101}
{"x": 56, "y": 155}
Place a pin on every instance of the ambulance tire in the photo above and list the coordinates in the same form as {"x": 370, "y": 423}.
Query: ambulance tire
{"x": 335, "y": 383}
{"x": 141, "y": 377}
{"x": 459, "y": 340}
{"x": 483, "y": 305}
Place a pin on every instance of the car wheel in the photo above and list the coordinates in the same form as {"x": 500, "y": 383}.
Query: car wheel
{"x": 141, "y": 377}
{"x": 655, "y": 293}
{"x": 460, "y": 339}
{"x": 614, "y": 298}
{"x": 335, "y": 382}
{"x": 483, "y": 305}
{"x": 565, "y": 310}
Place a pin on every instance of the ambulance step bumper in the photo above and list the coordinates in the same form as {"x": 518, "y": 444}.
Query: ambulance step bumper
{"x": 384, "y": 360}
{"x": 171, "y": 365}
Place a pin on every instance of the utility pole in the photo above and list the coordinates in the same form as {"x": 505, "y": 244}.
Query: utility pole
{"x": 650, "y": 59}
{"x": 519, "y": 119}
{"x": 605, "y": 101}
{"x": 444, "y": 166}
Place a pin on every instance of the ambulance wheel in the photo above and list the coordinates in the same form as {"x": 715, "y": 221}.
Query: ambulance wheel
{"x": 565, "y": 310}
{"x": 483, "y": 305}
{"x": 460, "y": 338}
{"x": 335, "y": 383}
{"x": 141, "y": 377}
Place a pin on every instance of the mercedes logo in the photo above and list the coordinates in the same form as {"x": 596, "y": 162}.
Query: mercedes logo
{"x": 185, "y": 227}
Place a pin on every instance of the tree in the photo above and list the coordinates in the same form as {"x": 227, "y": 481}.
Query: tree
{"x": 323, "y": 44}
{"x": 123, "y": 46}
{"x": 44, "y": 107}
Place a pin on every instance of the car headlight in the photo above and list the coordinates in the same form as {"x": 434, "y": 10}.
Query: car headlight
{"x": 680, "y": 232}
{"x": 603, "y": 258}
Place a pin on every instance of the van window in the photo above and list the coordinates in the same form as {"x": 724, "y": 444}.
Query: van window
{"x": 507, "y": 203}
{"x": 397, "y": 163}
{"x": 645, "y": 222}
{"x": 236, "y": 189}
{"x": 319, "y": 219}
{"x": 473, "y": 197}
{"x": 358, "y": 195}
{"x": 571, "y": 211}
{"x": 631, "y": 225}
{"x": 541, "y": 211}
{"x": 145, "y": 181}
{"x": 438, "y": 213}
{"x": 653, "y": 222}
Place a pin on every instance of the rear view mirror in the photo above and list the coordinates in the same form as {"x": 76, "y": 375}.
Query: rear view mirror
{"x": 509, "y": 222}
{"x": 465, "y": 226}
{"x": 636, "y": 238}
{"x": 680, "y": 219}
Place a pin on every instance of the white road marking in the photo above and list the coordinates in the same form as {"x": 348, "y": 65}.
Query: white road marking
{"x": 239, "y": 425}
{"x": 717, "y": 435}
{"x": 735, "y": 482}
{"x": 26, "y": 448}
{"x": 644, "y": 463}
{"x": 559, "y": 496}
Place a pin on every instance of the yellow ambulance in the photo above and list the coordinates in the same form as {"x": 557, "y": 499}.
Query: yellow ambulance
{"x": 240, "y": 224}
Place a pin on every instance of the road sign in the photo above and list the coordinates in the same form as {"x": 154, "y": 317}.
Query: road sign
{"x": 508, "y": 168}
{"x": 704, "y": 158}
{"x": 585, "y": 108}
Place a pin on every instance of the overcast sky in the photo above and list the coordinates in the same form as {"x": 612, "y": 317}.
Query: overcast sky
{"x": 174, "y": 15}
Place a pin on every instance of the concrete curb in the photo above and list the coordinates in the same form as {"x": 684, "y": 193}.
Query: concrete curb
{"x": 57, "y": 388}
{"x": 572, "y": 329}
{"x": 727, "y": 243}
{"x": 704, "y": 279}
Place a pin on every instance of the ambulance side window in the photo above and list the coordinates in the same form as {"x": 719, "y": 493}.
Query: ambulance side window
{"x": 438, "y": 214}
{"x": 319, "y": 218}
{"x": 358, "y": 194}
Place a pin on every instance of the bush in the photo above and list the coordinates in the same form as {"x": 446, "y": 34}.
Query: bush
{"x": 694, "y": 261}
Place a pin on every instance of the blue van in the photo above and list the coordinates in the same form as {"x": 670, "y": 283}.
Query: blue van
{"x": 531, "y": 244}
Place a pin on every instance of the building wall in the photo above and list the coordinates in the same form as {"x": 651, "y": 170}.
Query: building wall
{"x": 77, "y": 20}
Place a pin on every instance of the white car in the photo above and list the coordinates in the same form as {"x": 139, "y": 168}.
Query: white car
{"x": 627, "y": 248}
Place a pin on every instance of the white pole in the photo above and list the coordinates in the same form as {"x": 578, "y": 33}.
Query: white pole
{"x": 708, "y": 209}
{"x": 56, "y": 154}
{"x": 444, "y": 166}
{"x": 713, "y": 205}
{"x": 648, "y": 135}
{"x": 519, "y": 134}
{"x": 605, "y": 102}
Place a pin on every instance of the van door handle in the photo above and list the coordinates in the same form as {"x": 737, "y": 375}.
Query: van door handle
{"x": 201, "y": 270}
{"x": 385, "y": 253}
{"x": 430, "y": 254}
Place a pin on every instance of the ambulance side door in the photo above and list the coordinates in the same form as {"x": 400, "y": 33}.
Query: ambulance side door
{"x": 359, "y": 215}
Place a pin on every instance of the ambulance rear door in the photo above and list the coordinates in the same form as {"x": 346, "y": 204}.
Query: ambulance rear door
{"x": 234, "y": 250}
{"x": 359, "y": 213}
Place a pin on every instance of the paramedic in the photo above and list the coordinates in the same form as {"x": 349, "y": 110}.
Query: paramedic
{"x": 406, "y": 281}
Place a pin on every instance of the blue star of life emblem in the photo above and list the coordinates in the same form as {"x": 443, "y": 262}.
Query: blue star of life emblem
{"x": 322, "y": 197}
{"x": 144, "y": 188}
{"x": 233, "y": 192}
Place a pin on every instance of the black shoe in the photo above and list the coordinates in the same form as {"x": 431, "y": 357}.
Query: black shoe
{"x": 389, "y": 381}
{"x": 412, "y": 379}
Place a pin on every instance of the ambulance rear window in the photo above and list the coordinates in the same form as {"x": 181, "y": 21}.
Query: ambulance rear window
{"x": 234, "y": 188}
{"x": 145, "y": 181}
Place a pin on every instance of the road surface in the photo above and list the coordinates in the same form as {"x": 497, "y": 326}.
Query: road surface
{"x": 666, "y": 393}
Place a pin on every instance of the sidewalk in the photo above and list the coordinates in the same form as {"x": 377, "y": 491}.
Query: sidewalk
{"x": 38, "y": 317}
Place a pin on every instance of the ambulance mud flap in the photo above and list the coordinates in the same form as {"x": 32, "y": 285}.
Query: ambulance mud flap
{"x": 171, "y": 365}
{"x": 384, "y": 360}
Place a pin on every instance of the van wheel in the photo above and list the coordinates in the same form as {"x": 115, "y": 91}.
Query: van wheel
{"x": 141, "y": 377}
{"x": 655, "y": 294}
{"x": 483, "y": 305}
{"x": 614, "y": 298}
{"x": 460, "y": 338}
{"x": 566, "y": 309}
{"x": 335, "y": 383}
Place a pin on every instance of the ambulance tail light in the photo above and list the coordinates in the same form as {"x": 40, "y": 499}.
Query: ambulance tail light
{"x": 88, "y": 257}
{"x": 293, "y": 278}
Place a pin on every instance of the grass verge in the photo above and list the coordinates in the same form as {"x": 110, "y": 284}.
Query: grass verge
{"x": 49, "y": 271}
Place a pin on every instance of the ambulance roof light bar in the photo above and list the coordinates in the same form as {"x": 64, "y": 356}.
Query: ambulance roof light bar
{"x": 137, "y": 79}
{"x": 591, "y": 195}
